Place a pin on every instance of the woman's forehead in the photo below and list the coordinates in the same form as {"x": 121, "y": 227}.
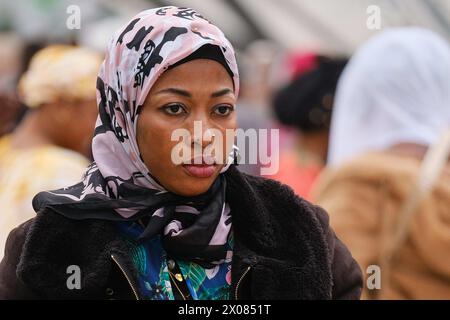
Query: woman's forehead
{"x": 204, "y": 72}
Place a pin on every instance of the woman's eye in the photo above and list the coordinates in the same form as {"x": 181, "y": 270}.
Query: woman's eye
{"x": 223, "y": 110}
{"x": 174, "y": 109}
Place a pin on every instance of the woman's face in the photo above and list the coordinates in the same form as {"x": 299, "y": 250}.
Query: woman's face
{"x": 199, "y": 90}
{"x": 58, "y": 118}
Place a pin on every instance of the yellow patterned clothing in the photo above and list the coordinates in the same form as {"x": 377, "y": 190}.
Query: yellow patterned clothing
{"x": 24, "y": 173}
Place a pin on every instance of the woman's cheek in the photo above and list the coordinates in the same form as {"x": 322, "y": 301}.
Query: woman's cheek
{"x": 161, "y": 138}
{"x": 228, "y": 142}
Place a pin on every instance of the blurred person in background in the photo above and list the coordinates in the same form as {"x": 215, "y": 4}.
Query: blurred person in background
{"x": 140, "y": 224}
{"x": 256, "y": 64}
{"x": 392, "y": 105}
{"x": 50, "y": 146}
{"x": 11, "y": 55}
{"x": 306, "y": 105}
{"x": 10, "y": 109}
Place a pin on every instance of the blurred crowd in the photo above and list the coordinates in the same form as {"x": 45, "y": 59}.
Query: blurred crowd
{"x": 365, "y": 136}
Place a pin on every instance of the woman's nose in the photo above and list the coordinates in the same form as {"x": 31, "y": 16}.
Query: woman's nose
{"x": 208, "y": 137}
{"x": 203, "y": 138}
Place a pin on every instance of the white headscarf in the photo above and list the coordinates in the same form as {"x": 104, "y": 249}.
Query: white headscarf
{"x": 396, "y": 88}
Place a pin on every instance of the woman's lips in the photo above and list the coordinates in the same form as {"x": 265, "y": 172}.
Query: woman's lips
{"x": 200, "y": 170}
{"x": 201, "y": 167}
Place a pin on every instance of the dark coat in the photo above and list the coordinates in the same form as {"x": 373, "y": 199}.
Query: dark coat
{"x": 283, "y": 249}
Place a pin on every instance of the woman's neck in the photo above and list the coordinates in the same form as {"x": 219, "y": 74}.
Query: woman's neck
{"x": 30, "y": 133}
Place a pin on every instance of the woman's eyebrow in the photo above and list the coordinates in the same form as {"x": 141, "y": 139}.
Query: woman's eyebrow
{"x": 221, "y": 92}
{"x": 180, "y": 92}
{"x": 185, "y": 93}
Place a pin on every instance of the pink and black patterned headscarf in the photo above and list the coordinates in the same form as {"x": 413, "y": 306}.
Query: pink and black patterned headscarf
{"x": 117, "y": 185}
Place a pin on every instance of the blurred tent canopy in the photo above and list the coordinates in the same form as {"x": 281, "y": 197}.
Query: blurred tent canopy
{"x": 324, "y": 26}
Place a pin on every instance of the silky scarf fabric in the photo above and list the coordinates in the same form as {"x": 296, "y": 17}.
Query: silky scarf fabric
{"x": 118, "y": 185}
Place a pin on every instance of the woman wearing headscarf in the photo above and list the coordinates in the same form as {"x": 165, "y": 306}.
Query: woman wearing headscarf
{"x": 50, "y": 146}
{"x": 143, "y": 226}
{"x": 305, "y": 104}
{"x": 392, "y": 106}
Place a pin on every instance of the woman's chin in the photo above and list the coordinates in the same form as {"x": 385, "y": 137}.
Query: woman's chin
{"x": 193, "y": 190}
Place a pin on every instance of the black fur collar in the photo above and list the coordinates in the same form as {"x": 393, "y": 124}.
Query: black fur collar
{"x": 275, "y": 233}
